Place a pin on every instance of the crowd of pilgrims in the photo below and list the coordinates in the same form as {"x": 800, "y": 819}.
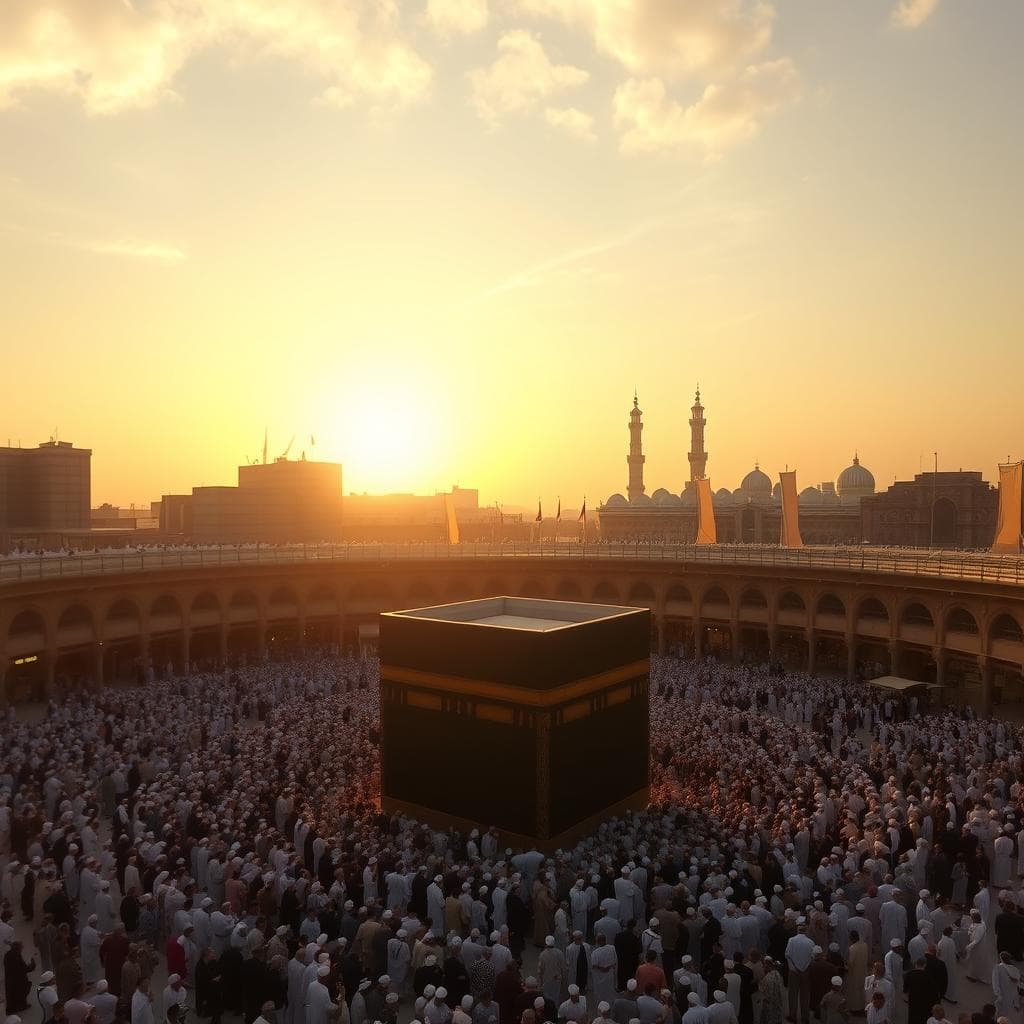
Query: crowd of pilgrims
{"x": 812, "y": 852}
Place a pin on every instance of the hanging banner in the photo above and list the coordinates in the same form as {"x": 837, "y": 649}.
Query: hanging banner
{"x": 451, "y": 519}
{"x": 790, "y": 512}
{"x": 1008, "y": 525}
{"x": 707, "y": 530}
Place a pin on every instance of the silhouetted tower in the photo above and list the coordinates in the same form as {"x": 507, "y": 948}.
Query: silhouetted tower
{"x": 698, "y": 457}
{"x": 636, "y": 452}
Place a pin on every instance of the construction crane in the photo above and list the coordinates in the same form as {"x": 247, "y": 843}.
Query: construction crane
{"x": 283, "y": 457}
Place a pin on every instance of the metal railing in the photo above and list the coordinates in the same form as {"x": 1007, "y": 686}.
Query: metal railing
{"x": 975, "y": 566}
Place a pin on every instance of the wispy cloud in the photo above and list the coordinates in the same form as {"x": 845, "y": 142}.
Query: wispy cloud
{"x": 134, "y": 249}
{"x": 913, "y": 13}
{"x": 126, "y": 247}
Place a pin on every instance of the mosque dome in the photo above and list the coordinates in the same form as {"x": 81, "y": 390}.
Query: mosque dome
{"x": 811, "y": 496}
{"x": 641, "y": 501}
{"x": 689, "y": 497}
{"x": 855, "y": 481}
{"x": 663, "y": 497}
{"x": 723, "y": 496}
{"x": 756, "y": 483}
{"x": 616, "y": 501}
{"x": 777, "y": 492}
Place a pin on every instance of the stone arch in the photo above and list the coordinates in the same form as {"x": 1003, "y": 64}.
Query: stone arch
{"x": 322, "y": 600}
{"x": 959, "y": 620}
{"x": 872, "y": 609}
{"x": 753, "y": 605}
{"x": 914, "y": 613}
{"x": 641, "y": 594}
{"x": 283, "y": 603}
{"x": 1005, "y": 626}
{"x": 830, "y": 603}
{"x": 678, "y": 601}
{"x": 569, "y": 590}
{"x": 76, "y": 625}
{"x": 715, "y": 603}
{"x": 27, "y": 632}
{"x": 606, "y": 593}
{"x": 165, "y": 614}
{"x": 243, "y": 607}
{"x": 791, "y": 601}
{"x": 122, "y": 619}
{"x": 204, "y": 609}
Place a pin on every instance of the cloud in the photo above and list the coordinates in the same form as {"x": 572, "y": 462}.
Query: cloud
{"x": 155, "y": 252}
{"x": 115, "y": 55}
{"x": 461, "y": 17}
{"x": 669, "y": 38}
{"x": 912, "y": 14}
{"x": 726, "y": 113}
{"x": 520, "y": 78}
{"x": 577, "y": 123}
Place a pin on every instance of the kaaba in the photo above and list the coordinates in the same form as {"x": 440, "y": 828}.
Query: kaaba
{"x": 523, "y": 714}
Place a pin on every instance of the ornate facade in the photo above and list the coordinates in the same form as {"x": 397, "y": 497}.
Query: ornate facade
{"x": 752, "y": 514}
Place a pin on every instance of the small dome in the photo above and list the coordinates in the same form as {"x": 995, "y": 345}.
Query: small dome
{"x": 777, "y": 491}
{"x": 689, "y": 497}
{"x": 660, "y": 495}
{"x": 811, "y": 496}
{"x": 723, "y": 496}
{"x": 855, "y": 480}
{"x": 641, "y": 501}
{"x": 756, "y": 482}
{"x": 616, "y": 501}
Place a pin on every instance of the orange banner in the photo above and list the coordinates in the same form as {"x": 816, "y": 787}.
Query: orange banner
{"x": 790, "y": 512}
{"x": 1008, "y": 525}
{"x": 451, "y": 519}
{"x": 707, "y": 530}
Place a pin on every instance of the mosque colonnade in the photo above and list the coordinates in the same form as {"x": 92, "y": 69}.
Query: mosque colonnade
{"x": 966, "y": 636}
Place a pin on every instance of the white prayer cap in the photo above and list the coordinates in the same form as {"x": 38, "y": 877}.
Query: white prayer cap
{"x": 323, "y": 971}
{"x": 895, "y": 944}
{"x": 653, "y": 923}
{"x": 428, "y": 991}
{"x": 384, "y": 980}
{"x": 693, "y": 999}
{"x": 93, "y": 919}
{"x": 603, "y": 1006}
{"x": 392, "y": 997}
{"x": 549, "y": 941}
{"x": 441, "y": 993}
{"x": 174, "y": 979}
{"x": 574, "y": 990}
{"x": 46, "y": 978}
{"x": 467, "y": 1002}
{"x": 101, "y": 985}
{"x": 324, "y": 958}
{"x": 631, "y": 985}
{"x": 719, "y": 996}
{"x": 687, "y": 959}
{"x": 924, "y": 894}
{"x": 837, "y": 982}
{"x": 366, "y": 983}
{"x": 206, "y": 903}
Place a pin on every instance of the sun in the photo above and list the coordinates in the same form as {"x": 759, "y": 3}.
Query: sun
{"x": 388, "y": 442}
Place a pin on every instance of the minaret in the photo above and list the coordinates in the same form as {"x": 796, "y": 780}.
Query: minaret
{"x": 698, "y": 457}
{"x": 636, "y": 453}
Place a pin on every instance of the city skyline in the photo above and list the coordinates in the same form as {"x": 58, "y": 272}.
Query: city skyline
{"x": 448, "y": 238}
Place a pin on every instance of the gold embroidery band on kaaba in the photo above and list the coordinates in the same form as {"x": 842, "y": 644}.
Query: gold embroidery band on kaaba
{"x": 513, "y": 694}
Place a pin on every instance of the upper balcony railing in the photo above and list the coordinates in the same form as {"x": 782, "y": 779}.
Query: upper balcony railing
{"x": 954, "y": 565}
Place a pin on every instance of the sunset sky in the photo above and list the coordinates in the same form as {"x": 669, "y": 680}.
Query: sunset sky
{"x": 449, "y": 237}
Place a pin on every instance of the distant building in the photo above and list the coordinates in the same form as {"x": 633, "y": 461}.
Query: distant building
{"x": 44, "y": 490}
{"x": 275, "y": 503}
{"x": 752, "y": 514}
{"x": 943, "y": 510}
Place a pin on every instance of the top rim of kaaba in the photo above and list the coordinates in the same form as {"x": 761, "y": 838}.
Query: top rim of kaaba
{"x": 516, "y": 614}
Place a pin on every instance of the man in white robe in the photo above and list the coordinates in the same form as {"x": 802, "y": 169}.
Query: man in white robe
{"x": 318, "y": 998}
{"x": 604, "y": 966}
